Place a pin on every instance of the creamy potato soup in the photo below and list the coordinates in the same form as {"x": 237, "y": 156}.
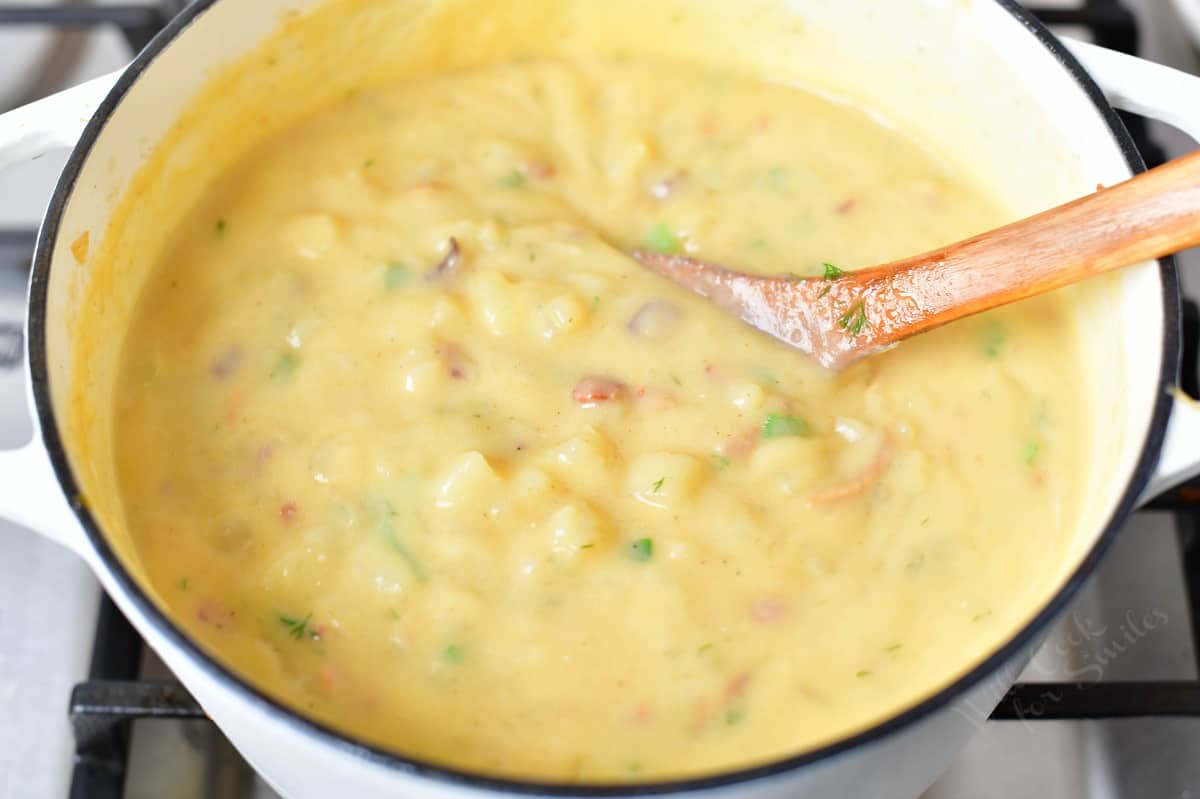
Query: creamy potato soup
{"x": 408, "y": 439}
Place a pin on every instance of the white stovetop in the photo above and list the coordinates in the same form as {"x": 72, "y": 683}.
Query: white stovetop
{"x": 48, "y": 599}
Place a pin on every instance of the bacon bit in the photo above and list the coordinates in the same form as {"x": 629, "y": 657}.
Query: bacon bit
{"x": 736, "y": 687}
{"x": 763, "y": 123}
{"x": 743, "y": 443}
{"x": 538, "y": 170}
{"x": 654, "y": 319}
{"x": 858, "y": 485}
{"x": 656, "y": 399}
{"x": 846, "y": 206}
{"x": 767, "y": 609}
{"x": 700, "y": 714}
{"x": 233, "y": 406}
{"x": 227, "y": 364}
{"x": 287, "y": 511}
{"x": 454, "y": 359}
{"x": 450, "y": 261}
{"x": 667, "y": 186}
{"x": 642, "y": 713}
{"x": 592, "y": 391}
{"x": 328, "y": 677}
{"x": 212, "y": 612}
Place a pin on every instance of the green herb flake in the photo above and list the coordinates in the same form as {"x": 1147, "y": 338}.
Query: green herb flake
{"x": 1030, "y": 452}
{"x": 662, "y": 239}
{"x": 284, "y": 367}
{"x": 831, "y": 271}
{"x": 780, "y": 425}
{"x": 642, "y": 549}
{"x": 855, "y": 319}
{"x": 893, "y": 648}
{"x": 395, "y": 275}
{"x": 704, "y": 648}
{"x": 917, "y": 563}
{"x": 183, "y": 583}
{"x": 513, "y": 180}
{"x": 778, "y": 178}
{"x": 993, "y": 339}
{"x": 981, "y": 616}
{"x": 393, "y": 539}
{"x": 393, "y": 614}
{"x": 824, "y": 291}
{"x": 595, "y": 303}
{"x": 588, "y": 545}
{"x": 759, "y": 244}
{"x": 454, "y": 653}
{"x": 657, "y": 485}
{"x": 734, "y": 716}
{"x": 863, "y": 673}
{"x": 370, "y": 162}
{"x": 720, "y": 462}
{"x": 298, "y": 628}
{"x": 220, "y": 226}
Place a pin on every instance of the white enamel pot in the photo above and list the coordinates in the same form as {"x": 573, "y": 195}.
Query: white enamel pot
{"x": 1034, "y": 111}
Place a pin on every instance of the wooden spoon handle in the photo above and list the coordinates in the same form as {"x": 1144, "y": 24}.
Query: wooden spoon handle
{"x": 1151, "y": 215}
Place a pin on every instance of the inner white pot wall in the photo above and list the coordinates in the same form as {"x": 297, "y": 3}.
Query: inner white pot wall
{"x": 964, "y": 77}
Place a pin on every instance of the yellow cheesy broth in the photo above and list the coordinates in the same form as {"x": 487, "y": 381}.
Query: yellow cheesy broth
{"x": 408, "y": 439}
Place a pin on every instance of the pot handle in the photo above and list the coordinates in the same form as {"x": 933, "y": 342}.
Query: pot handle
{"x": 34, "y": 498}
{"x": 1171, "y": 96}
{"x": 52, "y": 123}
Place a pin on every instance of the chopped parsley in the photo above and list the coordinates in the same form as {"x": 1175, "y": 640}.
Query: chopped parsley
{"x": 863, "y": 673}
{"x": 720, "y": 462}
{"x": 854, "y": 320}
{"x": 778, "y": 178}
{"x": 286, "y": 364}
{"x": 642, "y": 549}
{"x": 662, "y": 239}
{"x": 831, "y": 271}
{"x": 220, "y": 225}
{"x": 993, "y": 339}
{"x": 658, "y": 484}
{"x": 734, "y": 716}
{"x": 1031, "y": 451}
{"x": 395, "y": 275}
{"x": 183, "y": 583}
{"x": 513, "y": 180}
{"x": 454, "y": 653}
{"x": 780, "y": 425}
{"x": 370, "y": 162}
{"x": 893, "y": 648}
{"x": 595, "y": 303}
{"x": 298, "y": 628}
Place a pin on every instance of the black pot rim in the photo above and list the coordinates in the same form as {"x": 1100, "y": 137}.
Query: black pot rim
{"x": 203, "y": 660}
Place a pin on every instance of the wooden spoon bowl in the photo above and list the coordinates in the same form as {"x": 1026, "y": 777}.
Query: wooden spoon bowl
{"x": 844, "y": 316}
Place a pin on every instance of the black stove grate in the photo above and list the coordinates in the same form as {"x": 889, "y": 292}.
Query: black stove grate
{"x": 102, "y": 708}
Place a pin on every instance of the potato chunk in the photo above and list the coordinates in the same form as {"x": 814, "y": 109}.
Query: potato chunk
{"x": 664, "y": 479}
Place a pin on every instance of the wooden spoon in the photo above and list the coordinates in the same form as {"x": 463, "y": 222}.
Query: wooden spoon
{"x": 842, "y": 317}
